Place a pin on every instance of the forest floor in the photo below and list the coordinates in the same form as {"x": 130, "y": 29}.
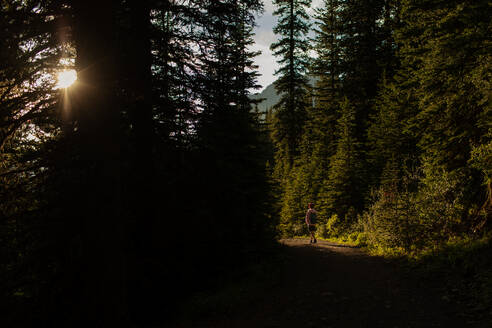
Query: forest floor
{"x": 326, "y": 285}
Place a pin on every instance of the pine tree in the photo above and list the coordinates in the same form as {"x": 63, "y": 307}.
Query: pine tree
{"x": 231, "y": 168}
{"x": 99, "y": 141}
{"x": 165, "y": 82}
{"x": 174, "y": 38}
{"x": 389, "y": 136}
{"x": 342, "y": 193}
{"x": 444, "y": 47}
{"x": 320, "y": 137}
{"x": 327, "y": 64}
{"x": 245, "y": 68}
{"x": 354, "y": 43}
{"x": 326, "y": 67}
{"x": 447, "y": 44}
{"x": 30, "y": 124}
{"x": 293, "y": 204}
{"x": 291, "y": 48}
{"x": 359, "y": 44}
{"x": 311, "y": 168}
{"x": 289, "y": 114}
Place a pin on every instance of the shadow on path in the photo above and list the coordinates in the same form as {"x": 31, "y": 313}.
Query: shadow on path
{"x": 330, "y": 285}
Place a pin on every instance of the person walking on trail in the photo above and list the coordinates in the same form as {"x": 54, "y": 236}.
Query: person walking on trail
{"x": 311, "y": 218}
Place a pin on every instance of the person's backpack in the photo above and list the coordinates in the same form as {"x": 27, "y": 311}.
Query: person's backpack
{"x": 313, "y": 218}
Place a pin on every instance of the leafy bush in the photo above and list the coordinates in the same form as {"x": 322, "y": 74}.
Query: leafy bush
{"x": 440, "y": 205}
{"x": 392, "y": 220}
{"x": 334, "y": 226}
{"x": 289, "y": 230}
{"x": 415, "y": 218}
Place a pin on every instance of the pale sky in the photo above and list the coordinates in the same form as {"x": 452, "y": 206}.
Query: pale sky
{"x": 264, "y": 36}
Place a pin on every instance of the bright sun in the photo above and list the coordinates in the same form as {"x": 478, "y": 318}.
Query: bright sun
{"x": 66, "y": 78}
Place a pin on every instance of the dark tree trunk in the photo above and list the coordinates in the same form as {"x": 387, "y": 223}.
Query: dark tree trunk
{"x": 139, "y": 77}
{"x": 103, "y": 273}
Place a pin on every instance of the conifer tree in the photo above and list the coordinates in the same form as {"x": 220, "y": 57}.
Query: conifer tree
{"x": 447, "y": 46}
{"x": 99, "y": 142}
{"x": 326, "y": 67}
{"x": 179, "y": 69}
{"x": 359, "y": 44}
{"x": 291, "y": 48}
{"x": 231, "y": 167}
{"x": 311, "y": 168}
{"x": 354, "y": 43}
{"x": 245, "y": 68}
{"x": 293, "y": 203}
{"x": 30, "y": 118}
{"x": 327, "y": 64}
{"x": 443, "y": 46}
{"x": 319, "y": 139}
{"x": 289, "y": 114}
{"x": 390, "y": 138}
{"x": 174, "y": 38}
{"x": 341, "y": 193}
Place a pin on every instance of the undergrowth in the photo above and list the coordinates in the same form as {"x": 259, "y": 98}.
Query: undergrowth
{"x": 465, "y": 264}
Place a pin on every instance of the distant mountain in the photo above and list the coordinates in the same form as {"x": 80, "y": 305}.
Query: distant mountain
{"x": 271, "y": 97}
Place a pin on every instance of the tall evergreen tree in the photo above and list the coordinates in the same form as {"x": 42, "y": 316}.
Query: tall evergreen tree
{"x": 350, "y": 41}
{"x": 320, "y": 130}
{"x": 445, "y": 47}
{"x": 326, "y": 67}
{"x": 173, "y": 40}
{"x": 99, "y": 141}
{"x": 161, "y": 101}
{"x": 327, "y": 64}
{"x": 289, "y": 113}
{"x": 449, "y": 62}
{"x": 231, "y": 167}
{"x": 360, "y": 44}
{"x": 291, "y": 48}
{"x": 32, "y": 36}
{"x": 390, "y": 138}
{"x": 342, "y": 193}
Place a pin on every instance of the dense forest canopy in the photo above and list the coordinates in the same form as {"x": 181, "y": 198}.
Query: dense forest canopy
{"x": 395, "y": 150}
{"x": 104, "y": 182}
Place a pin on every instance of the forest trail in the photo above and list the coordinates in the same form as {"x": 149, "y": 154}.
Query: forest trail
{"x": 334, "y": 286}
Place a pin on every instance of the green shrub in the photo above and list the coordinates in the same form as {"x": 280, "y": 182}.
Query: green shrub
{"x": 391, "y": 221}
{"x": 322, "y": 230}
{"x": 423, "y": 212}
{"x": 289, "y": 230}
{"x": 334, "y": 226}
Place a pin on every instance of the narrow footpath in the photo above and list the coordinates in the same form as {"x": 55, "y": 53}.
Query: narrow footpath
{"x": 334, "y": 286}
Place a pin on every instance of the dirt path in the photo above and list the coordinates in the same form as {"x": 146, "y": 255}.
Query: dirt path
{"x": 329, "y": 285}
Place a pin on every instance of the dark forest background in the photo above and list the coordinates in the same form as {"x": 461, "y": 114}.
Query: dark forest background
{"x": 153, "y": 174}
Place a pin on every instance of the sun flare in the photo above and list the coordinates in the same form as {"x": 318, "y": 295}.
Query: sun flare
{"x": 66, "y": 78}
